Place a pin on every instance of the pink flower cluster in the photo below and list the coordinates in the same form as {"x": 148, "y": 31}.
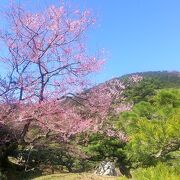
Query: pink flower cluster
{"x": 117, "y": 134}
{"x": 135, "y": 78}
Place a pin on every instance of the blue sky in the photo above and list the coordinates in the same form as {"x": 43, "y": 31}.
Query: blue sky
{"x": 138, "y": 35}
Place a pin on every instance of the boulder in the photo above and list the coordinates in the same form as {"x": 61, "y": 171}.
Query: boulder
{"x": 106, "y": 168}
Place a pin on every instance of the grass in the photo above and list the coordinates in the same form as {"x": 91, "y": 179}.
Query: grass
{"x": 76, "y": 176}
{"x": 159, "y": 172}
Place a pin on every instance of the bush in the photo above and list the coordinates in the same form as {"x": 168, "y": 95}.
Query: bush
{"x": 153, "y": 129}
{"x": 2, "y": 176}
{"x": 159, "y": 172}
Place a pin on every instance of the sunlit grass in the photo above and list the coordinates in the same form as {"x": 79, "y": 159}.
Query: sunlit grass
{"x": 75, "y": 176}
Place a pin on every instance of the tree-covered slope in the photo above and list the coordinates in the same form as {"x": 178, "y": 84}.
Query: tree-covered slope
{"x": 167, "y": 79}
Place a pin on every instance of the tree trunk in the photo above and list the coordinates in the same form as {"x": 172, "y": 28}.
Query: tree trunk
{"x": 125, "y": 171}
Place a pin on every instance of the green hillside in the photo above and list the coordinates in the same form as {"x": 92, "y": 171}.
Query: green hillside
{"x": 167, "y": 79}
{"x": 143, "y": 141}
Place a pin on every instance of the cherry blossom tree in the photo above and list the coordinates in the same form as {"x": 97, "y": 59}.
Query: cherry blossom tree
{"x": 47, "y": 66}
{"x": 46, "y": 61}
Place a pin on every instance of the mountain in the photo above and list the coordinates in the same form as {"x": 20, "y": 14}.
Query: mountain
{"x": 120, "y": 94}
{"x": 134, "y": 87}
{"x": 168, "y": 79}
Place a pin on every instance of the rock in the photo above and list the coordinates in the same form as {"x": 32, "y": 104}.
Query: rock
{"x": 106, "y": 168}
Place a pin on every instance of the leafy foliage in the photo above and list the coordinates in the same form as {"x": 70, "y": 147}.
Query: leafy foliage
{"x": 151, "y": 82}
{"x": 159, "y": 172}
{"x": 153, "y": 128}
{"x": 101, "y": 147}
{"x": 167, "y": 79}
{"x": 141, "y": 91}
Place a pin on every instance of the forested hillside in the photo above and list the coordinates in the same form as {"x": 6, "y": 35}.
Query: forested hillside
{"x": 167, "y": 79}
{"x": 137, "y": 130}
{"x": 145, "y": 139}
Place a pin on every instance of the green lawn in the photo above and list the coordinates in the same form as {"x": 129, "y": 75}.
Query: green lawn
{"x": 75, "y": 176}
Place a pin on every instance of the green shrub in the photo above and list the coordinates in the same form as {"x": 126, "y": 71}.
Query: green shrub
{"x": 153, "y": 129}
{"x": 159, "y": 172}
{"x": 2, "y": 176}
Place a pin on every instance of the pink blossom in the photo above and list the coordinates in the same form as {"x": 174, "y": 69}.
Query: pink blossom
{"x": 135, "y": 78}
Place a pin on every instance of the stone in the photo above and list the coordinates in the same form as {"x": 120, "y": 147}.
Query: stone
{"x": 106, "y": 168}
